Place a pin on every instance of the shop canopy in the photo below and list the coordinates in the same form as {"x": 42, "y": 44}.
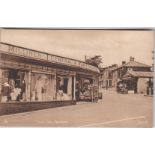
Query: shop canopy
{"x": 33, "y": 56}
{"x": 137, "y": 74}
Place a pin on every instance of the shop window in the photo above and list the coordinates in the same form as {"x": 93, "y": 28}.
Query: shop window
{"x": 64, "y": 87}
{"x": 42, "y": 87}
{"x": 13, "y": 85}
{"x": 84, "y": 88}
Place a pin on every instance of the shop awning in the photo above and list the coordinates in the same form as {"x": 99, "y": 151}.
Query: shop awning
{"x": 126, "y": 78}
{"x": 138, "y": 74}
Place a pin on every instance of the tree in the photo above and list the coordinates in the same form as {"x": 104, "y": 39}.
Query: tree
{"x": 95, "y": 61}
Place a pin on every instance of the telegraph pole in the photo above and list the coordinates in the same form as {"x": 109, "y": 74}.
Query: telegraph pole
{"x": 152, "y": 60}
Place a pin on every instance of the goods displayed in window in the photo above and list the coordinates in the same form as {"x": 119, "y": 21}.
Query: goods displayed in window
{"x": 83, "y": 89}
{"x": 64, "y": 88}
{"x": 24, "y": 86}
{"x": 26, "y": 82}
{"x": 42, "y": 87}
{"x": 13, "y": 85}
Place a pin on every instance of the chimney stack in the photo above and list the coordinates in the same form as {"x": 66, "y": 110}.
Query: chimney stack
{"x": 131, "y": 58}
{"x": 123, "y": 62}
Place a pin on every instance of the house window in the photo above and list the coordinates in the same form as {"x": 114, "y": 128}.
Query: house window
{"x": 130, "y": 69}
{"x": 110, "y": 83}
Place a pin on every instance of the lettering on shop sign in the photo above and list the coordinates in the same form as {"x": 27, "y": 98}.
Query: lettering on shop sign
{"x": 70, "y": 62}
{"x": 26, "y": 52}
{"x": 23, "y": 52}
{"x": 44, "y": 56}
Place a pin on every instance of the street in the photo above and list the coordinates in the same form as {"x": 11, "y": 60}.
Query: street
{"x": 114, "y": 110}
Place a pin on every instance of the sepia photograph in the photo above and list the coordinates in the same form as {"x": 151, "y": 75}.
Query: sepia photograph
{"x": 78, "y": 78}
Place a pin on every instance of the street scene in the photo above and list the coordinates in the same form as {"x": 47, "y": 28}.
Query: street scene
{"x": 76, "y": 78}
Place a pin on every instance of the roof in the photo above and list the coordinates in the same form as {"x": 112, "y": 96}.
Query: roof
{"x": 109, "y": 68}
{"x": 138, "y": 74}
{"x": 135, "y": 64}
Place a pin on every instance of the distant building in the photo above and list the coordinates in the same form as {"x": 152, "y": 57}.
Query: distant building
{"x": 106, "y": 77}
{"x": 137, "y": 76}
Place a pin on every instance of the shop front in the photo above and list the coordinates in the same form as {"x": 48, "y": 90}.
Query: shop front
{"x": 139, "y": 82}
{"x": 13, "y": 81}
{"x": 86, "y": 87}
{"x": 31, "y": 76}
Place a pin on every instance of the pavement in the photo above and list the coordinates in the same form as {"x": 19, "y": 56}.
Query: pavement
{"x": 114, "y": 110}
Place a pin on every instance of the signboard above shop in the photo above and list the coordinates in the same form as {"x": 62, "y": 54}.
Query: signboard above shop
{"x": 33, "y": 54}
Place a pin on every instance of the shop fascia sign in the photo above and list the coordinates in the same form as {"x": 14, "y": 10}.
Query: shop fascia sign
{"x": 22, "y": 52}
{"x": 45, "y": 56}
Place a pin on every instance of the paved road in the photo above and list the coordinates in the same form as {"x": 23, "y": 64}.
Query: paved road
{"x": 115, "y": 110}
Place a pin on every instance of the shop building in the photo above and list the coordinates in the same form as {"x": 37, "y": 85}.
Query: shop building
{"x": 139, "y": 82}
{"x": 28, "y": 75}
{"x": 134, "y": 76}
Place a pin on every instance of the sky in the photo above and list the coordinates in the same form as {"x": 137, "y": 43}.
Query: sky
{"x": 114, "y": 46}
